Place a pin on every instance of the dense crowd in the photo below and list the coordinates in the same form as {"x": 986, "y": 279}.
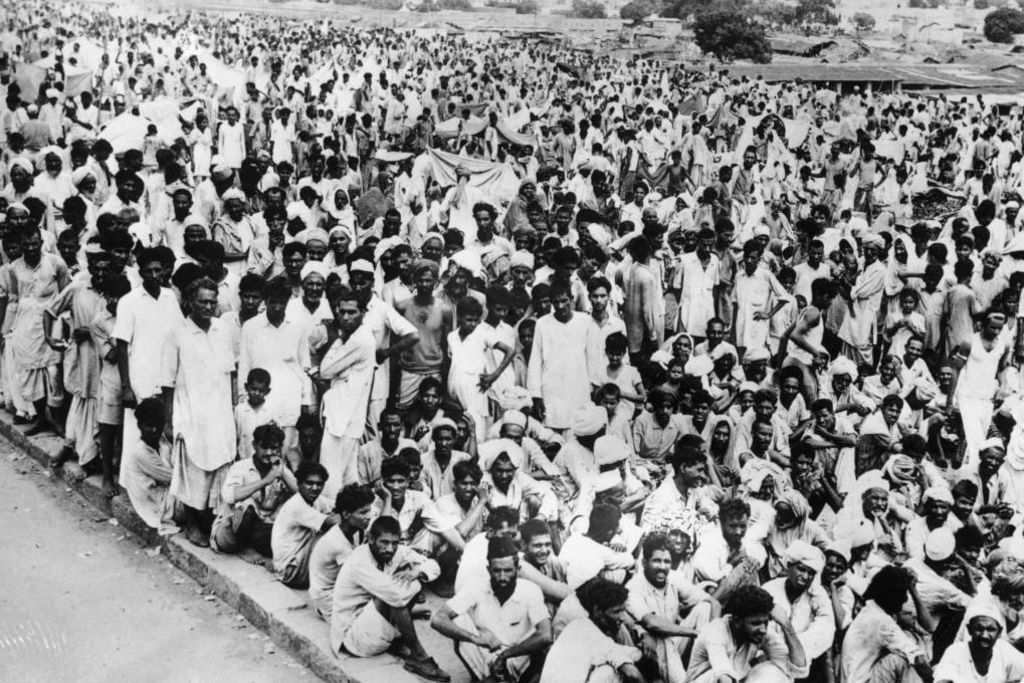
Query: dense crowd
{"x": 651, "y": 374}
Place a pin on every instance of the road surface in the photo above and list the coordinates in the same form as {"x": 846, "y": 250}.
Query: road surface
{"x": 81, "y": 600}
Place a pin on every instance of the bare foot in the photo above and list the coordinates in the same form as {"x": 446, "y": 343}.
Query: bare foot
{"x": 38, "y": 427}
{"x": 196, "y": 537}
{"x": 66, "y": 453}
{"x": 73, "y": 472}
{"x": 108, "y": 487}
{"x": 251, "y": 556}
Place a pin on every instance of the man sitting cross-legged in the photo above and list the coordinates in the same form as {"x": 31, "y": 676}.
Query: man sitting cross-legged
{"x": 500, "y": 626}
{"x": 371, "y": 610}
{"x": 354, "y": 505}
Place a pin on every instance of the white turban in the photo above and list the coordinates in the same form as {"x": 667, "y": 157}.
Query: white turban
{"x": 941, "y": 494}
{"x": 314, "y": 268}
{"x": 23, "y": 163}
{"x": 489, "y": 451}
{"x": 806, "y": 554}
{"x": 233, "y": 193}
{"x": 874, "y": 240}
{"x": 80, "y": 174}
{"x": 843, "y": 366}
{"x": 521, "y": 259}
{"x": 939, "y": 544}
{"x": 470, "y": 261}
{"x": 589, "y": 420}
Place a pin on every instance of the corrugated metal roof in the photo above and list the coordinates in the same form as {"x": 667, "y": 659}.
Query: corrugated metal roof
{"x": 916, "y": 76}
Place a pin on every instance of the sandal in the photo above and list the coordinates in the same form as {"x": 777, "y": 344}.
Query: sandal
{"x": 427, "y": 668}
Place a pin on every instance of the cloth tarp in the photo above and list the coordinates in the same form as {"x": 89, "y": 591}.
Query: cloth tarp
{"x": 496, "y": 181}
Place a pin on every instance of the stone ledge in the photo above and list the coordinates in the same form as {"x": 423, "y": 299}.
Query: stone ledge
{"x": 280, "y": 612}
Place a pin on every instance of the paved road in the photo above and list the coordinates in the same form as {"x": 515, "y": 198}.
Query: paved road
{"x": 81, "y": 600}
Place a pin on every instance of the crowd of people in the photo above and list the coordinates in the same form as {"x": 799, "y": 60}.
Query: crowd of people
{"x": 651, "y": 374}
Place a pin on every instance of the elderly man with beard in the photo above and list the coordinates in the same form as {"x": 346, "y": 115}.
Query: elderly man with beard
{"x": 499, "y": 625}
{"x": 728, "y": 647}
{"x": 937, "y": 502}
{"x": 804, "y": 600}
{"x": 373, "y": 595}
{"x": 984, "y": 657}
{"x": 658, "y": 599}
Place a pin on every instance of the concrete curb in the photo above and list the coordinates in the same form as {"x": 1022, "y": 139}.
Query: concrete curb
{"x": 281, "y": 613}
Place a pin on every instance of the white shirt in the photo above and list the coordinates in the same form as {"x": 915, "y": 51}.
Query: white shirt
{"x": 957, "y": 665}
{"x": 348, "y": 364}
{"x": 145, "y": 323}
{"x": 294, "y": 527}
{"x": 811, "y": 615}
{"x": 325, "y": 561}
{"x": 870, "y": 635}
{"x": 585, "y": 558}
{"x": 511, "y": 621}
{"x": 283, "y": 351}
{"x": 580, "y": 649}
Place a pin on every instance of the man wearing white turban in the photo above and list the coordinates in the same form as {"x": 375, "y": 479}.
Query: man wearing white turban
{"x": 858, "y": 328}
{"x": 985, "y": 656}
{"x": 804, "y": 600}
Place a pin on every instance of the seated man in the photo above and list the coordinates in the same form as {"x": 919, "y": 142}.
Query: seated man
{"x": 499, "y": 626}
{"x": 297, "y": 525}
{"x": 724, "y": 557}
{"x": 146, "y": 469}
{"x": 984, "y": 656}
{"x": 728, "y": 647}
{"x": 538, "y": 554}
{"x": 501, "y": 521}
{"x": 590, "y": 555}
{"x": 424, "y": 528}
{"x": 253, "y": 491}
{"x": 588, "y": 650}
{"x": 658, "y": 599}
{"x": 804, "y": 600}
{"x": 501, "y": 461}
{"x": 388, "y": 444}
{"x": 354, "y": 507}
{"x": 468, "y": 501}
{"x": 371, "y": 604}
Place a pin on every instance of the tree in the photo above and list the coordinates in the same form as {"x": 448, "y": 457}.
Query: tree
{"x": 638, "y": 10}
{"x": 526, "y": 7}
{"x": 816, "y": 12}
{"x": 1002, "y": 24}
{"x": 731, "y": 35}
{"x": 588, "y": 9}
{"x": 863, "y": 22}
{"x": 981, "y": 4}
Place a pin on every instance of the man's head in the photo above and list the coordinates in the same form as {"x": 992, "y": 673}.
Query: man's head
{"x": 537, "y": 545}
{"x": 657, "y": 559}
{"x": 466, "y": 477}
{"x": 267, "y": 440}
{"x": 502, "y": 565}
{"x": 310, "y": 477}
{"x": 151, "y": 418}
{"x": 394, "y": 475}
{"x": 750, "y": 608}
{"x": 354, "y": 504}
{"x": 384, "y": 536}
{"x": 689, "y": 464}
{"x": 605, "y": 603}
{"x": 733, "y": 517}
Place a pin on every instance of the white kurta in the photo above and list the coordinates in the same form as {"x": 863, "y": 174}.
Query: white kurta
{"x": 858, "y": 328}
{"x": 560, "y": 367}
{"x": 282, "y": 351}
{"x": 198, "y": 365}
{"x": 697, "y": 297}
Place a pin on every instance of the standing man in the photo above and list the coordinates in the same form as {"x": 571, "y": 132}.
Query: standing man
{"x": 433, "y": 319}
{"x": 560, "y": 367}
{"x": 348, "y": 365}
{"x": 979, "y": 361}
{"x": 197, "y": 368}
{"x": 698, "y": 278}
{"x": 865, "y": 298}
{"x": 280, "y": 346}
